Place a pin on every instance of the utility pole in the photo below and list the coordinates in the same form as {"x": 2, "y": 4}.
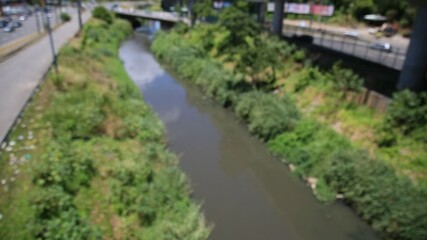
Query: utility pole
{"x": 49, "y": 30}
{"x": 278, "y": 17}
{"x": 312, "y": 12}
{"x": 1, "y": 8}
{"x": 193, "y": 14}
{"x": 79, "y": 13}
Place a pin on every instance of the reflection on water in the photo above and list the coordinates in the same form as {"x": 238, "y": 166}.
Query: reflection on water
{"x": 246, "y": 193}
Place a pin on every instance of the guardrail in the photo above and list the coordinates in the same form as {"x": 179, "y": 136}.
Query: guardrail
{"x": 349, "y": 45}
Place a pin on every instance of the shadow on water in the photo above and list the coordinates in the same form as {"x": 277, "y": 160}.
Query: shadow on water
{"x": 246, "y": 193}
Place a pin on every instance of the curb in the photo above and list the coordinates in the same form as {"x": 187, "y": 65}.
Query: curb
{"x": 10, "y": 49}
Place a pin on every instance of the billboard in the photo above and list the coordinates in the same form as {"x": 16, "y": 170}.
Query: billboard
{"x": 305, "y": 8}
{"x": 323, "y": 10}
{"x": 297, "y": 8}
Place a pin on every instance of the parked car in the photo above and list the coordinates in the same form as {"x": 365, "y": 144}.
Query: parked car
{"x": 9, "y": 28}
{"x": 16, "y": 24}
{"x": 22, "y": 18}
{"x": 381, "y": 46}
{"x": 3, "y": 23}
{"x": 388, "y": 29}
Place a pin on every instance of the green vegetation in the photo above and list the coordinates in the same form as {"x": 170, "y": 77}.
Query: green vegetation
{"x": 65, "y": 17}
{"x": 88, "y": 160}
{"x": 330, "y": 140}
{"x": 102, "y": 13}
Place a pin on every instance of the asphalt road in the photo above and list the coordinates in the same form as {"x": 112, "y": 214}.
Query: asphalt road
{"x": 21, "y": 73}
{"x": 351, "y": 46}
{"x": 31, "y": 25}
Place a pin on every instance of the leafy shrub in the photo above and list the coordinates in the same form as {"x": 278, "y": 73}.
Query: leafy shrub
{"x": 392, "y": 204}
{"x": 267, "y": 115}
{"x": 102, "y": 13}
{"x": 408, "y": 113}
{"x": 77, "y": 114}
{"x": 65, "y": 17}
{"x": 51, "y": 202}
{"x": 68, "y": 225}
{"x": 65, "y": 168}
{"x": 309, "y": 76}
{"x": 345, "y": 81}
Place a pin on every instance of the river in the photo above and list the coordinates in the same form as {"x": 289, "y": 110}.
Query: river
{"x": 245, "y": 192}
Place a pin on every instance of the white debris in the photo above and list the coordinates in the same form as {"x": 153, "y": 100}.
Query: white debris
{"x": 16, "y": 172}
{"x": 3, "y": 182}
{"x": 340, "y": 196}
{"x": 12, "y": 179}
{"x": 8, "y": 148}
{"x": 31, "y": 147}
{"x": 312, "y": 182}
{"x": 12, "y": 143}
{"x": 23, "y": 125}
{"x": 292, "y": 167}
{"x": 3, "y": 145}
{"x": 20, "y": 137}
{"x": 1, "y": 216}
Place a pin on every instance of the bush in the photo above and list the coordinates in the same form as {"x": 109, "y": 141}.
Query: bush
{"x": 76, "y": 114}
{"x": 64, "y": 167}
{"x": 102, "y": 13}
{"x": 65, "y": 17}
{"x": 408, "y": 113}
{"x": 266, "y": 115}
{"x": 393, "y": 205}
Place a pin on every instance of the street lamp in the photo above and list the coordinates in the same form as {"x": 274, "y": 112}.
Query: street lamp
{"x": 79, "y": 13}
{"x": 49, "y": 30}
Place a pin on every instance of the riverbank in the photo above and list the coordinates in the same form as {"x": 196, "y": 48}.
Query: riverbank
{"x": 88, "y": 160}
{"x": 333, "y": 166}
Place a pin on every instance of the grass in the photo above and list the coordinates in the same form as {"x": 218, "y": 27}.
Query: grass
{"x": 88, "y": 136}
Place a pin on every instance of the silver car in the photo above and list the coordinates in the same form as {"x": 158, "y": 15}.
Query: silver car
{"x": 381, "y": 46}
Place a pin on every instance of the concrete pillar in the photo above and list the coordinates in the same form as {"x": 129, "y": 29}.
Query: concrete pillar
{"x": 278, "y": 17}
{"x": 413, "y": 74}
{"x": 262, "y": 7}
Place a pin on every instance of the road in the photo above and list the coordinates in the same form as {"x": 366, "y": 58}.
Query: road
{"x": 31, "y": 25}
{"x": 21, "y": 73}
{"x": 350, "y": 46}
{"x": 397, "y": 40}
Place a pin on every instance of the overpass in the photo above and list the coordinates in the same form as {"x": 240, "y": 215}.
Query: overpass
{"x": 166, "y": 17}
{"x": 414, "y": 67}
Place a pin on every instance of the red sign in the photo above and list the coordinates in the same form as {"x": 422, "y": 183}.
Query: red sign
{"x": 322, "y": 10}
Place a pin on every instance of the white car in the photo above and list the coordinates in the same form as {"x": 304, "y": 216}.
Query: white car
{"x": 381, "y": 46}
{"x": 351, "y": 34}
{"x": 302, "y": 24}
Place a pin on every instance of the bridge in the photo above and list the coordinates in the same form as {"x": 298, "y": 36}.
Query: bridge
{"x": 166, "y": 17}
